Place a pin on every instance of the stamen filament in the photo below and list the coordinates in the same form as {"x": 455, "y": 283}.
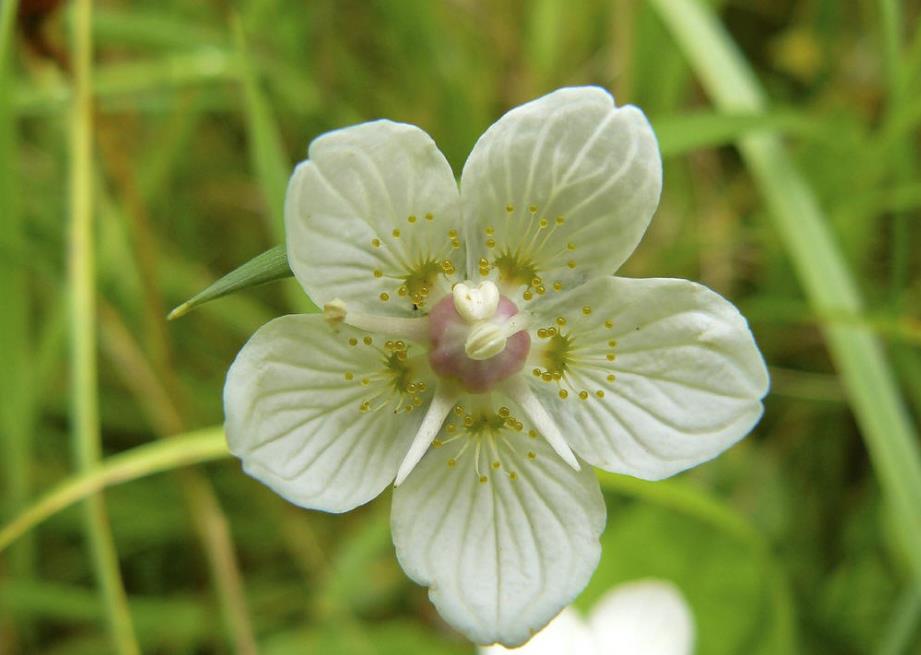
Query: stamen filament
{"x": 532, "y": 408}
{"x": 414, "y": 329}
{"x": 442, "y": 403}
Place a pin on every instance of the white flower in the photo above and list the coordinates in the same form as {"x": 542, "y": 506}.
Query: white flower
{"x": 476, "y": 352}
{"x": 648, "y": 617}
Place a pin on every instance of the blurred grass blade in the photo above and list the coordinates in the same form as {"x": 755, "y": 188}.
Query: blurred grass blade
{"x": 684, "y": 133}
{"x": 84, "y": 391}
{"x": 268, "y": 155}
{"x": 857, "y": 353}
{"x": 182, "y": 450}
{"x": 17, "y": 395}
{"x": 269, "y": 266}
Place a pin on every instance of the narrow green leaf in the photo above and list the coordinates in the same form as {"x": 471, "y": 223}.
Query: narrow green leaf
{"x": 684, "y": 133}
{"x": 829, "y": 285}
{"x": 269, "y": 266}
{"x": 182, "y": 450}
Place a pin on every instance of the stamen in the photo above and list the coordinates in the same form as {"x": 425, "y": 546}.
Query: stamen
{"x": 414, "y": 329}
{"x": 531, "y": 406}
{"x": 437, "y": 412}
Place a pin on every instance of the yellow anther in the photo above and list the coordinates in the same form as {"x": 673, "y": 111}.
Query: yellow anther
{"x": 532, "y": 454}
{"x": 612, "y": 343}
{"x": 402, "y": 291}
{"x": 437, "y": 443}
{"x": 483, "y": 479}
{"x": 532, "y": 434}
{"x": 468, "y": 421}
{"x": 353, "y": 341}
{"x": 429, "y": 216}
{"x": 396, "y": 233}
{"x": 583, "y": 395}
{"x": 452, "y": 233}
{"x": 349, "y": 376}
{"x": 610, "y": 377}
{"x": 450, "y": 428}
{"x": 546, "y": 376}
{"x": 496, "y": 465}
{"x": 571, "y": 263}
{"x": 609, "y": 324}
{"x": 570, "y": 246}
{"x": 542, "y": 333}
{"x": 512, "y": 476}
{"x": 561, "y": 321}
{"x": 411, "y": 219}
{"x": 509, "y": 209}
{"x": 599, "y": 393}
{"x": 365, "y": 406}
{"x": 557, "y": 286}
{"x": 368, "y": 340}
{"x": 385, "y": 296}
{"x": 375, "y": 243}
{"x": 378, "y": 273}
{"x": 587, "y": 310}
{"x": 452, "y": 462}
{"x": 527, "y": 295}
{"x": 611, "y": 357}
{"x": 540, "y": 290}
{"x": 542, "y": 223}
{"x": 490, "y": 243}
{"x": 489, "y": 231}
{"x": 560, "y": 220}
{"x": 564, "y": 394}
{"x": 504, "y": 412}
{"x": 532, "y": 209}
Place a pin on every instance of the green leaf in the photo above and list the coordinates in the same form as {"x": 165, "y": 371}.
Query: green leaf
{"x": 269, "y": 266}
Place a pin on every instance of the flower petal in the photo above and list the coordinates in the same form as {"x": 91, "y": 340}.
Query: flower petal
{"x": 371, "y": 211}
{"x": 648, "y": 617}
{"x": 312, "y": 412}
{"x": 502, "y": 553}
{"x": 657, "y": 375}
{"x": 561, "y": 189}
{"x": 567, "y": 634}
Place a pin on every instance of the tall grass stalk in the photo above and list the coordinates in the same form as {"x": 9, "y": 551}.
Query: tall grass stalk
{"x": 84, "y": 388}
{"x": 823, "y": 273}
{"x": 17, "y": 407}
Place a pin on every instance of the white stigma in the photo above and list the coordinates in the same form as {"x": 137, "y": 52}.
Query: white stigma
{"x": 477, "y": 303}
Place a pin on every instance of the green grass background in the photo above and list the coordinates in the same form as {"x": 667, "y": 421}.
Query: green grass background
{"x": 150, "y": 157}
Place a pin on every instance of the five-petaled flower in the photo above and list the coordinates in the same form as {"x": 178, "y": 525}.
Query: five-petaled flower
{"x": 476, "y": 351}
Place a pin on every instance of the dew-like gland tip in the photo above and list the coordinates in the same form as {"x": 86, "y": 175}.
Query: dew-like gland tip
{"x": 334, "y": 311}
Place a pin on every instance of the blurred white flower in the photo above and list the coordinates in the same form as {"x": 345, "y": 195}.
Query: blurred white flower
{"x": 476, "y": 352}
{"x": 647, "y": 617}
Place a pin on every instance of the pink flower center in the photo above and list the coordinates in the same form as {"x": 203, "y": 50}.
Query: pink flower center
{"x": 449, "y": 333}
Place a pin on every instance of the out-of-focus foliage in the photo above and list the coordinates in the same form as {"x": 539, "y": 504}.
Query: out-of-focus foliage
{"x": 200, "y": 111}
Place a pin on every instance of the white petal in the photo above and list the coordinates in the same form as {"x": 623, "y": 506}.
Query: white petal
{"x": 501, "y": 557}
{"x": 567, "y": 634}
{"x": 685, "y": 383}
{"x": 293, "y": 401}
{"x": 649, "y": 617}
{"x": 360, "y": 187}
{"x": 591, "y": 172}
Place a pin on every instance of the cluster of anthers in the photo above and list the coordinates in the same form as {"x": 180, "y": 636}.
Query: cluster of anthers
{"x": 476, "y": 337}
